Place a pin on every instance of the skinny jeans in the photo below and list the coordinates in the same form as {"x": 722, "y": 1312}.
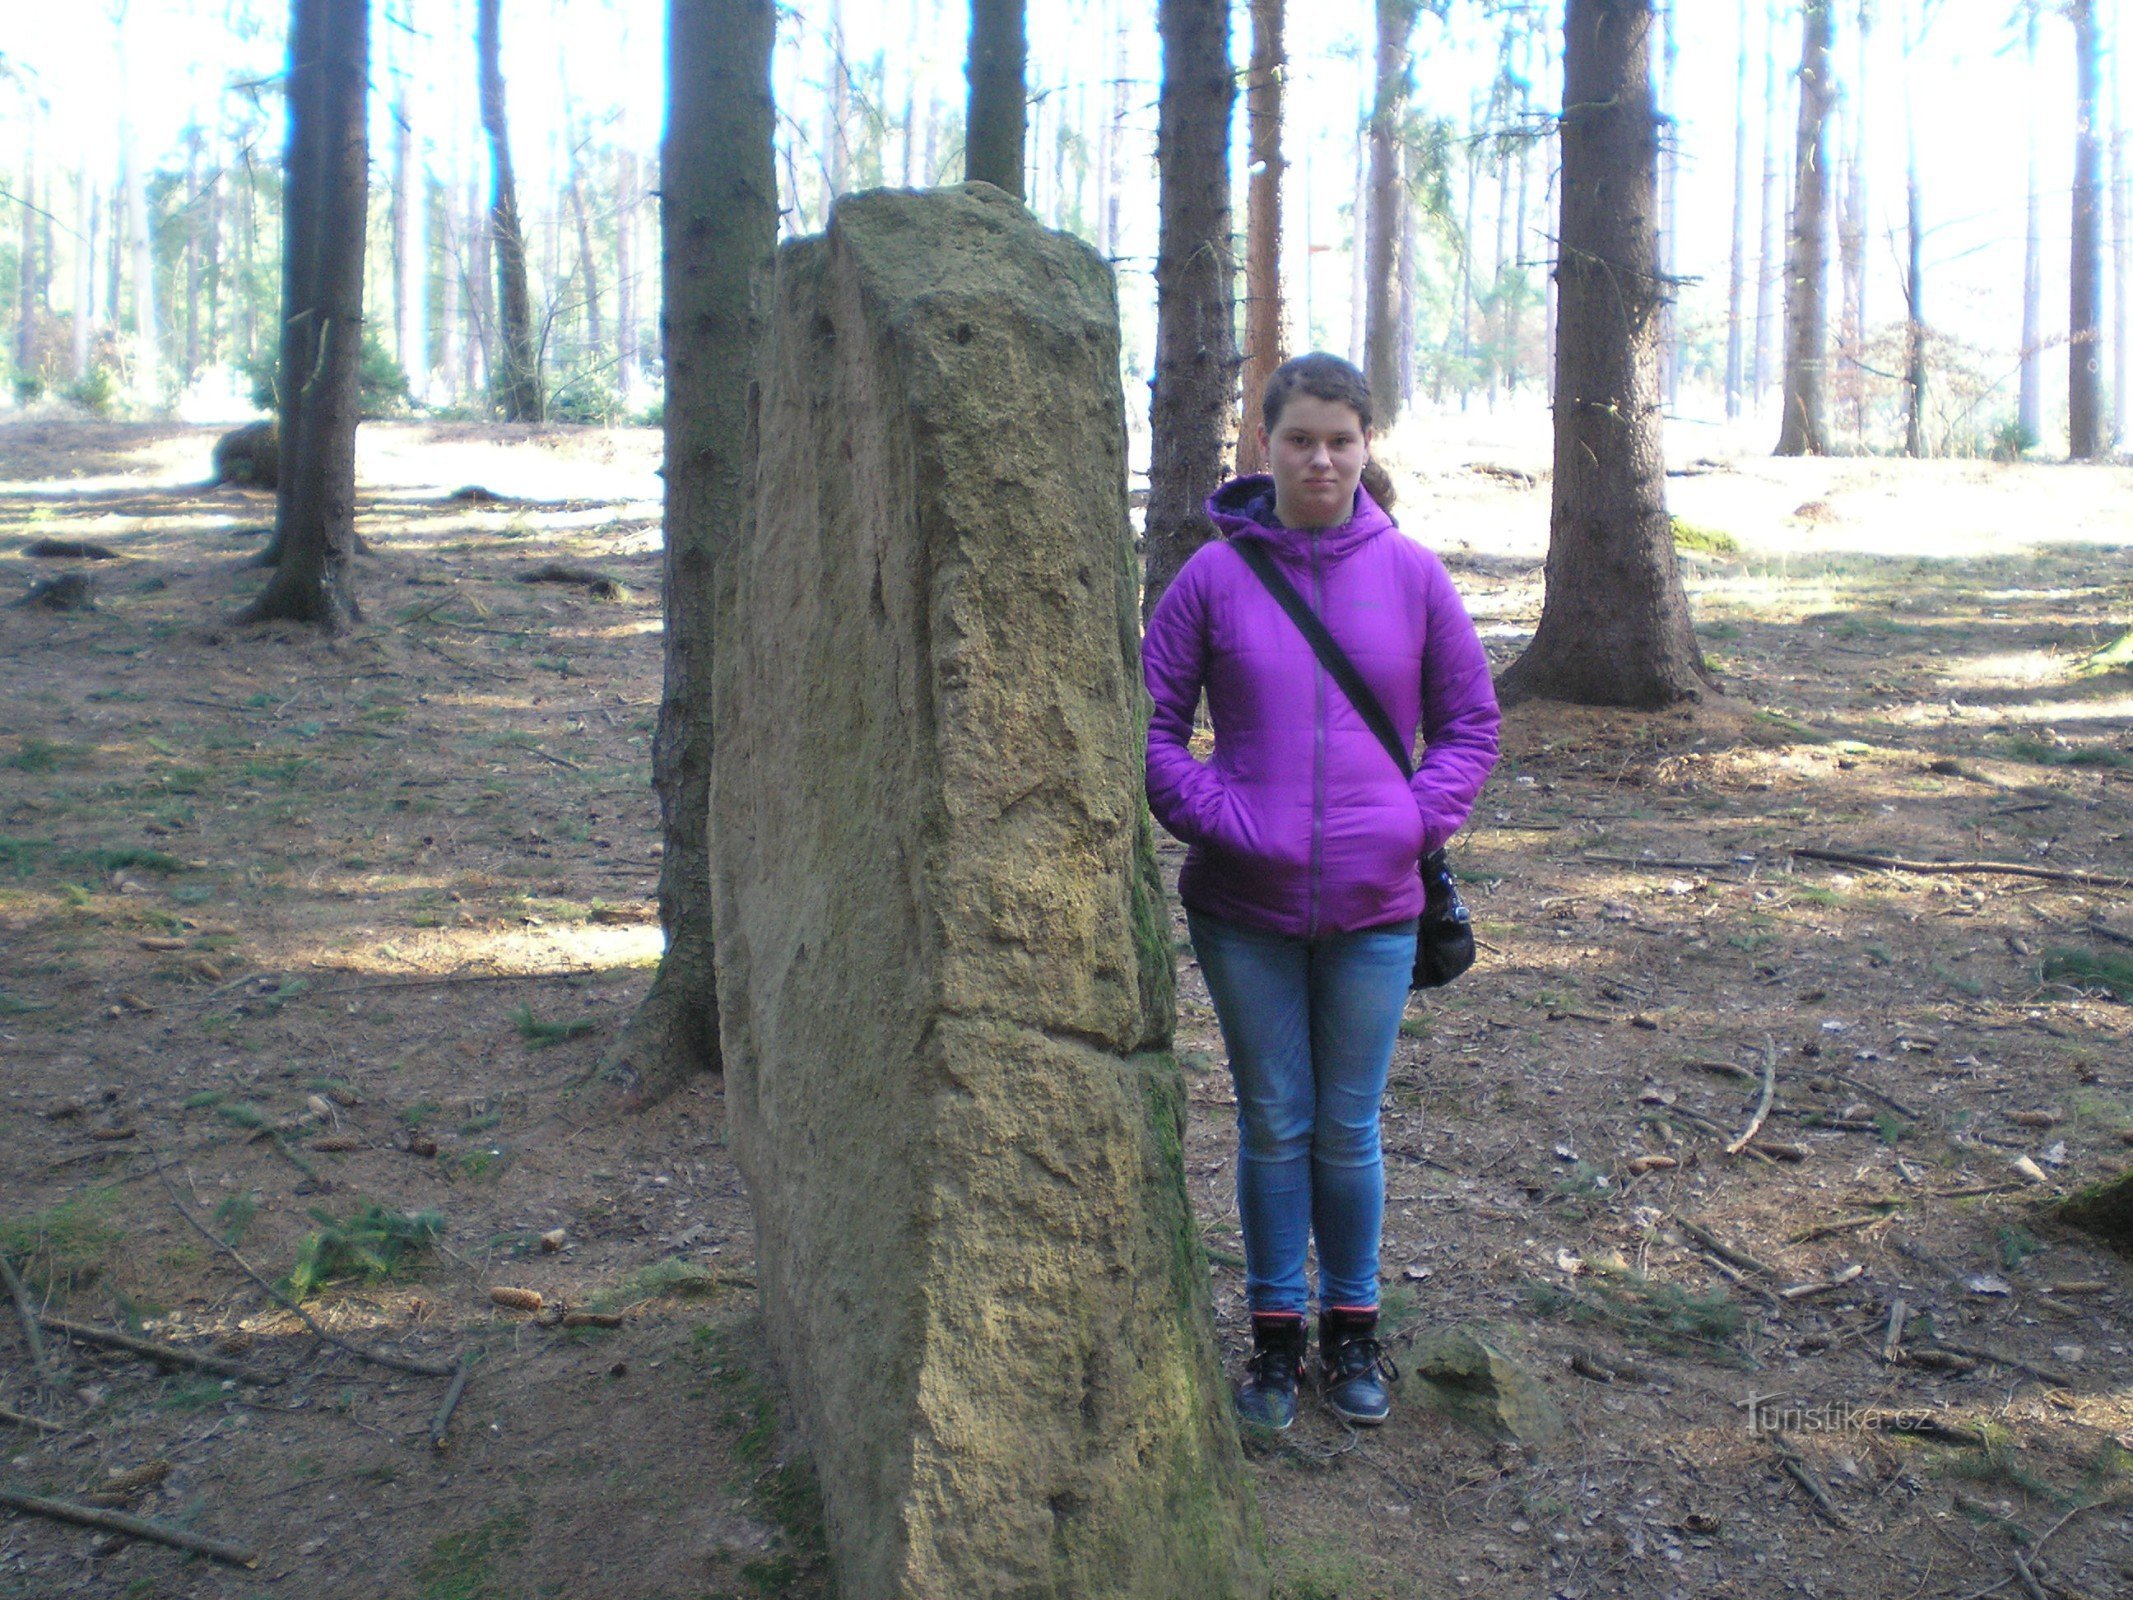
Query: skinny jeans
{"x": 1309, "y": 1025}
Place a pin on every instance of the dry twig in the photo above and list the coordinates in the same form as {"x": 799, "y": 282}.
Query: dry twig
{"x": 1762, "y": 1109}
{"x": 169, "y": 1354}
{"x": 1719, "y": 1248}
{"x": 2012, "y": 869}
{"x": 235, "y": 1555}
{"x": 35, "y": 1424}
{"x": 452, "y": 1397}
{"x": 1801, "y": 1473}
{"x": 28, "y": 1314}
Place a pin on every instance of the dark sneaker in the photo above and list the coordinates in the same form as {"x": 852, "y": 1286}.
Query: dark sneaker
{"x": 1267, "y": 1397}
{"x": 1354, "y": 1368}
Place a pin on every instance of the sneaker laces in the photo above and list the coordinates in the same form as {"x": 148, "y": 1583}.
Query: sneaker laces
{"x": 1271, "y": 1367}
{"x": 1360, "y": 1355}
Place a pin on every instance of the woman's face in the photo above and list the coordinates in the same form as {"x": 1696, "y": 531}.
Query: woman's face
{"x": 1316, "y": 452}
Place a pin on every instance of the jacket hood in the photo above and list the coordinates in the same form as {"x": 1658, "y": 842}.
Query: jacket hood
{"x": 1244, "y": 508}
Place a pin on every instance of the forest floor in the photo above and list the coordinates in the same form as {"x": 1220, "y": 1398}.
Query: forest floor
{"x": 300, "y": 941}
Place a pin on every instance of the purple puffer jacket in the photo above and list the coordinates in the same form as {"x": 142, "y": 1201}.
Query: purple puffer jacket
{"x": 1302, "y": 824}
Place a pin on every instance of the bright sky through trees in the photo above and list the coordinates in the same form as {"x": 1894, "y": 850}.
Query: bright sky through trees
{"x": 159, "y": 65}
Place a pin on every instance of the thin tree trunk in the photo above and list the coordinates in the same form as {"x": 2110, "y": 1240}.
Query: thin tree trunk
{"x": 1768, "y": 271}
{"x": 211, "y": 236}
{"x": 1403, "y": 299}
{"x": 2029, "y": 404}
{"x": 837, "y": 110}
{"x": 84, "y": 275}
{"x": 1614, "y": 626}
{"x": 1805, "y": 428}
{"x": 1395, "y": 22}
{"x": 1195, "y": 339}
{"x": 628, "y": 382}
{"x": 518, "y": 374}
{"x": 1264, "y": 346}
{"x": 996, "y": 119}
{"x": 1736, "y": 273}
{"x": 1466, "y": 265}
{"x": 147, "y": 346}
{"x": 1515, "y": 302}
{"x": 411, "y": 201}
{"x": 1914, "y": 293}
{"x": 1851, "y": 241}
{"x": 1115, "y": 186}
{"x": 26, "y": 266}
{"x": 317, "y": 529}
{"x": 2118, "y": 242}
{"x": 191, "y": 264}
{"x": 2084, "y": 356}
{"x": 1669, "y": 189}
{"x": 588, "y": 263}
{"x": 718, "y": 220}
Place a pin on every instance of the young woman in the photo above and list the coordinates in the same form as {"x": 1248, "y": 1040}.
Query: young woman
{"x": 1301, "y": 887}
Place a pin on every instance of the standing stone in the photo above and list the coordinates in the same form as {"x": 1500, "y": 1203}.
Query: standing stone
{"x": 944, "y": 965}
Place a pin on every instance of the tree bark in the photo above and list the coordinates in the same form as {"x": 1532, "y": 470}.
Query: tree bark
{"x": 2084, "y": 356}
{"x": 1614, "y": 626}
{"x": 301, "y": 157}
{"x": 1264, "y": 345}
{"x": 1381, "y": 350}
{"x": 1195, "y": 339}
{"x": 316, "y": 526}
{"x": 1914, "y": 298}
{"x": 517, "y": 378}
{"x": 996, "y": 118}
{"x": 718, "y": 222}
{"x": 84, "y": 276}
{"x": 1669, "y": 186}
{"x": 1805, "y": 428}
{"x": 628, "y": 382}
{"x": 1851, "y": 239}
{"x": 26, "y": 264}
{"x": 2117, "y": 185}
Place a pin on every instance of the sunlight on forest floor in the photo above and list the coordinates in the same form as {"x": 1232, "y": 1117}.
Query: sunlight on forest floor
{"x": 328, "y": 933}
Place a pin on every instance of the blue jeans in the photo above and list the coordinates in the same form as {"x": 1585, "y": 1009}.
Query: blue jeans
{"x": 1310, "y": 1025}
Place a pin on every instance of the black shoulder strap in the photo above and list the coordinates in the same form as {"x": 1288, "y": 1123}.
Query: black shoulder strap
{"x": 1323, "y": 645}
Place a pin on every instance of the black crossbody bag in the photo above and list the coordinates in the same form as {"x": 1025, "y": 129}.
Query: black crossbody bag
{"x": 1444, "y": 946}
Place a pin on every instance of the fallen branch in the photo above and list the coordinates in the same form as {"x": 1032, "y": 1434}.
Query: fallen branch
{"x": 1872, "y": 1093}
{"x": 69, "y": 550}
{"x": 1823, "y": 1230}
{"x": 452, "y": 1397}
{"x": 2028, "y": 1579}
{"x": 235, "y": 1555}
{"x": 2012, "y": 869}
{"x": 1762, "y": 1109}
{"x": 1719, "y": 1248}
{"x": 28, "y": 1314}
{"x": 380, "y": 1358}
{"x": 35, "y": 1424}
{"x": 169, "y": 1355}
{"x": 1801, "y": 1473}
{"x": 1892, "y": 1340}
{"x": 1979, "y": 1352}
{"x": 1667, "y": 863}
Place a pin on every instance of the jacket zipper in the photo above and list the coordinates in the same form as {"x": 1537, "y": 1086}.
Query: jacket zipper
{"x": 1318, "y": 749}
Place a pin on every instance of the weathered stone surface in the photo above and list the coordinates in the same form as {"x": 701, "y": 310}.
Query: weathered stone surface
{"x": 250, "y": 455}
{"x": 944, "y": 971}
{"x": 1471, "y": 1380}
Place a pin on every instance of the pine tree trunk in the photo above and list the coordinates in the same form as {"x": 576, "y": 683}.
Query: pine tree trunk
{"x": 1737, "y": 269}
{"x": 995, "y": 121}
{"x": 1914, "y": 295}
{"x": 192, "y": 253}
{"x": 1115, "y": 186}
{"x": 517, "y": 374}
{"x": 588, "y": 264}
{"x": 147, "y": 346}
{"x": 1805, "y": 428}
{"x": 1395, "y": 22}
{"x": 1264, "y": 347}
{"x": 1195, "y": 339}
{"x": 1614, "y": 626}
{"x": 26, "y": 266}
{"x": 718, "y": 221}
{"x": 1851, "y": 244}
{"x": 2029, "y": 405}
{"x": 84, "y": 276}
{"x": 302, "y": 158}
{"x": 411, "y": 240}
{"x": 626, "y": 358}
{"x": 2118, "y": 250}
{"x": 316, "y": 528}
{"x": 1669, "y": 231}
{"x": 837, "y": 128}
{"x": 2084, "y": 356}
{"x": 1768, "y": 271}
